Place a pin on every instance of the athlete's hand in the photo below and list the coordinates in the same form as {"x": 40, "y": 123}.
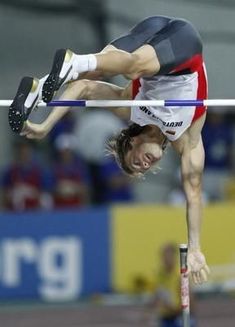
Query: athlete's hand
{"x": 34, "y": 131}
{"x": 197, "y": 266}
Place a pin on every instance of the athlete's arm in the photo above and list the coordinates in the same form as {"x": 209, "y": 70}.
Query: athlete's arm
{"x": 191, "y": 150}
{"x": 98, "y": 90}
{"x": 81, "y": 89}
{"x": 192, "y": 162}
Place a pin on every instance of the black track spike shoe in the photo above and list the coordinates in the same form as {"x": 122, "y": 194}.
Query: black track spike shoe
{"x": 61, "y": 72}
{"x": 23, "y": 105}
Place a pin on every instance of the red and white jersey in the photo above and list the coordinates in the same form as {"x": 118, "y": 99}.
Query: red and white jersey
{"x": 173, "y": 121}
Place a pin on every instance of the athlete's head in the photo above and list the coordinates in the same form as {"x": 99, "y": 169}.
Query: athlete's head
{"x": 137, "y": 149}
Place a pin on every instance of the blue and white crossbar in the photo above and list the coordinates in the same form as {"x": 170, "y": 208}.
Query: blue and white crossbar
{"x": 138, "y": 103}
{"x": 132, "y": 103}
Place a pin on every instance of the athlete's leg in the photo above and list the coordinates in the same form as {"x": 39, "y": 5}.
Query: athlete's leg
{"x": 142, "y": 62}
{"x": 156, "y": 45}
{"x": 130, "y": 55}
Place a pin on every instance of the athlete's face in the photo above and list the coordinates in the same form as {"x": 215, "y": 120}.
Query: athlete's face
{"x": 143, "y": 155}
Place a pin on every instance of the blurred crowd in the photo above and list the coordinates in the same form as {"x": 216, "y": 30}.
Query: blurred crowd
{"x": 70, "y": 168}
{"x": 67, "y": 170}
{"x": 162, "y": 294}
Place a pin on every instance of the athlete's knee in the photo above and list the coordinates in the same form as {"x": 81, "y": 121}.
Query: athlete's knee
{"x": 144, "y": 62}
{"x": 78, "y": 88}
{"x": 92, "y": 89}
{"x": 88, "y": 89}
{"x": 130, "y": 64}
{"x": 135, "y": 66}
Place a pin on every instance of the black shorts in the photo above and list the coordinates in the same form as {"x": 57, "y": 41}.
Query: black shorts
{"x": 176, "y": 42}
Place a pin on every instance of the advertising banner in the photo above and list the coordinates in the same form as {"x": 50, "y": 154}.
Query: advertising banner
{"x": 54, "y": 256}
{"x": 139, "y": 232}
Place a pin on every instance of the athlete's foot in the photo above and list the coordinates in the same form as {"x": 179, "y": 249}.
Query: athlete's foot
{"x": 26, "y": 99}
{"x": 64, "y": 69}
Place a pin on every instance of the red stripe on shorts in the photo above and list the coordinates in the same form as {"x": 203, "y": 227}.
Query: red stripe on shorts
{"x": 195, "y": 64}
{"x": 202, "y": 92}
{"x": 135, "y": 87}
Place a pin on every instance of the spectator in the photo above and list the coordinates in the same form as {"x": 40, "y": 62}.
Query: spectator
{"x": 70, "y": 180}
{"x": 22, "y": 180}
{"x": 166, "y": 298}
{"x": 103, "y": 124}
{"x": 116, "y": 185}
{"x": 218, "y": 142}
{"x": 64, "y": 126}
